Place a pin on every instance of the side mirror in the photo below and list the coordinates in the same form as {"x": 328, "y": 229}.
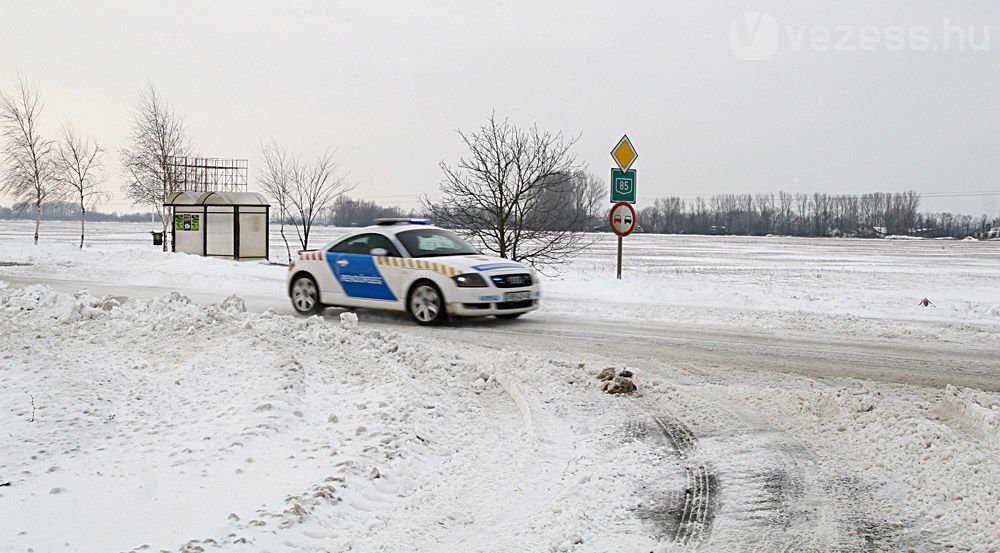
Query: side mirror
{"x": 379, "y": 252}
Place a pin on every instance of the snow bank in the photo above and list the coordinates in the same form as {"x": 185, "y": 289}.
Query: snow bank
{"x": 167, "y": 425}
{"x": 979, "y": 410}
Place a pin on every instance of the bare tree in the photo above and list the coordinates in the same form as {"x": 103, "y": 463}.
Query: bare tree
{"x": 506, "y": 193}
{"x": 276, "y": 181}
{"x": 303, "y": 192}
{"x": 27, "y": 170}
{"x": 588, "y": 196}
{"x": 312, "y": 189}
{"x": 666, "y": 213}
{"x": 158, "y": 135}
{"x": 78, "y": 165}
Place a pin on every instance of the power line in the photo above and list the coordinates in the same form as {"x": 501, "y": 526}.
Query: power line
{"x": 921, "y": 194}
{"x": 959, "y": 194}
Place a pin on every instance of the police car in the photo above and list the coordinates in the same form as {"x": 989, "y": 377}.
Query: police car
{"x": 409, "y": 265}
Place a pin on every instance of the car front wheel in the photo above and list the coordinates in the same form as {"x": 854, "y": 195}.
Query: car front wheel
{"x": 305, "y": 296}
{"x": 426, "y": 304}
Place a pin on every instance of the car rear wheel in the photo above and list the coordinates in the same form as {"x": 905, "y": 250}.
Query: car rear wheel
{"x": 305, "y": 296}
{"x": 426, "y": 304}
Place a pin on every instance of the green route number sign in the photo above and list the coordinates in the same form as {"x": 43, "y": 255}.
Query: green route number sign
{"x": 623, "y": 186}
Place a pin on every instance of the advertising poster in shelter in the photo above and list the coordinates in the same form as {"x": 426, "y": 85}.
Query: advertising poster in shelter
{"x": 186, "y": 221}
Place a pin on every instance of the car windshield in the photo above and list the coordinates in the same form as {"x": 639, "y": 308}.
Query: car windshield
{"x": 433, "y": 242}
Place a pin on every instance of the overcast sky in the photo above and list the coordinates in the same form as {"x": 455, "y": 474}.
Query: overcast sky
{"x": 717, "y": 97}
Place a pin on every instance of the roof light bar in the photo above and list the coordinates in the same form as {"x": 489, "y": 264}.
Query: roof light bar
{"x": 403, "y": 221}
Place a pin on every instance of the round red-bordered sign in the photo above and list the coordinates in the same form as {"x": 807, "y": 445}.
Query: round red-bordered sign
{"x": 622, "y": 219}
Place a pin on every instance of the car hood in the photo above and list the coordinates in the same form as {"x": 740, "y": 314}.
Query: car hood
{"x": 479, "y": 263}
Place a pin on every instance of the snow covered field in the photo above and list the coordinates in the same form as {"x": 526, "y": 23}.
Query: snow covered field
{"x": 793, "y": 396}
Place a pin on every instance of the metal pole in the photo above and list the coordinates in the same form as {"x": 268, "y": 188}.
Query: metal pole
{"x": 619, "y": 258}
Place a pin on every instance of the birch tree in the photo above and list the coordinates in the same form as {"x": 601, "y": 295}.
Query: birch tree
{"x": 27, "y": 169}
{"x": 78, "y": 169}
{"x": 275, "y": 180}
{"x": 302, "y": 191}
{"x": 312, "y": 189}
{"x": 158, "y": 135}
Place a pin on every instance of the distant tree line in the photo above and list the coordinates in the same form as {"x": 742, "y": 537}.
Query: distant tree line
{"x": 349, "y": 212}
{"x": 59, "y": 210}
{"x": 814, "y": 215}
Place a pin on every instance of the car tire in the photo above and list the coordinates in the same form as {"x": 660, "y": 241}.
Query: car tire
{"x": 425, "y": 304}
{"x": 305, "y": 296}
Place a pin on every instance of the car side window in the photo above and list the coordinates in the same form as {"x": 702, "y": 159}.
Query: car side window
{"x": 379, "y": 241}
{"x": 364, "y": 244}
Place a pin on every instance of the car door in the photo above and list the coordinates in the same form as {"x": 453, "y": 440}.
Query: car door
{"x": 356, "y": 270}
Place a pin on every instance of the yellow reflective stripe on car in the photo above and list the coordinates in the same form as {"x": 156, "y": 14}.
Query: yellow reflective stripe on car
{"x": 416, "y": 264}
{"x": 403, "y": 262}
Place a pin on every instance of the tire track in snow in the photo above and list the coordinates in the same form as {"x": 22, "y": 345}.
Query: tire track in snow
{"x": 744, "y": 486}
{"x": 682, "y": 515}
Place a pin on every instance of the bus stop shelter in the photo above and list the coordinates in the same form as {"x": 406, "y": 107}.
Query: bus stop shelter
{"x": 220, "y": 224}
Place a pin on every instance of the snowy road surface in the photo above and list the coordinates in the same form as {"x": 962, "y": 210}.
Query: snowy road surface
{"x": 792, "y": 397}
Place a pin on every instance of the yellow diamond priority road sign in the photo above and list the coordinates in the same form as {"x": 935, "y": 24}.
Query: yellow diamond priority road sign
{"x": 624, "y": 154}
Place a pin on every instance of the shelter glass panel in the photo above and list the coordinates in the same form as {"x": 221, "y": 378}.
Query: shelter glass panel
{"x": 219, "y": 227}
{"x": 253, "y": 234}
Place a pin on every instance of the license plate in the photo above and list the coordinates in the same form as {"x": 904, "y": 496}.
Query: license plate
{"x": 517, "y": 296}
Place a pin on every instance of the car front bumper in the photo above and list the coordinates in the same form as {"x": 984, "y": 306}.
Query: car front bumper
{"x": 482, "y": 302}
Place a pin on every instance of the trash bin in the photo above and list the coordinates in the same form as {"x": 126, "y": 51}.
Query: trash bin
{"x": 157, "y": 238}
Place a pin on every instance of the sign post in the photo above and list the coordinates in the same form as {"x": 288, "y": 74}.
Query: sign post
{"x": 622, "y": 221}
{"x": 623, "y": 179}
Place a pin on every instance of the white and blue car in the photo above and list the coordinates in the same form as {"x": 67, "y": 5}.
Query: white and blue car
{"x": 409, "y": 265}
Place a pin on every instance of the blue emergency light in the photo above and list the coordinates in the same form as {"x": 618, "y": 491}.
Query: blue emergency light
{"x": 385, "y": 221}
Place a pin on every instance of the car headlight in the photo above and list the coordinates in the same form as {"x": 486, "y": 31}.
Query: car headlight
{"x": 470, "y": 280}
